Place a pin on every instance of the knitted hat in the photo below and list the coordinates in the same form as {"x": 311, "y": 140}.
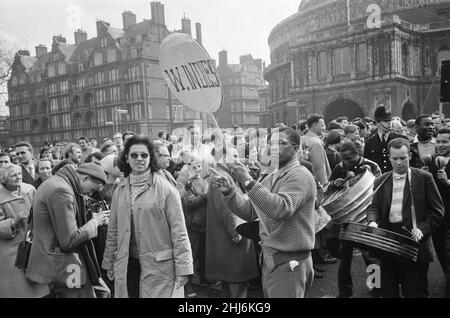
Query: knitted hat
{"x": 93, "y": 170}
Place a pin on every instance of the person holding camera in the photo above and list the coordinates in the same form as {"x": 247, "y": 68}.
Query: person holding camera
{"x": 62, "y": 254}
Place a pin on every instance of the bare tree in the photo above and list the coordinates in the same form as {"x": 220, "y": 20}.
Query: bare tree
{"x": 6, "y": 62}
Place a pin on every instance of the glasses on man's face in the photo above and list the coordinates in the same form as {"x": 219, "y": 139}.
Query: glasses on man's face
{"x": 137, "y": 155}
{"x": 281, "y": 142}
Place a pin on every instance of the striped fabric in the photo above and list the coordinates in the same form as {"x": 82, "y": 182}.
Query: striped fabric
{"x": 395, "y": 215}
{"x": 284, "y": 201}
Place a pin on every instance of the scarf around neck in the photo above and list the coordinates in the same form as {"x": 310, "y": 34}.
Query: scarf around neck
{"x": 86, "y": 249}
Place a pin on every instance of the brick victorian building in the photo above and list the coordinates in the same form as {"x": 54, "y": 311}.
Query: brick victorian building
{"x": 332, "y": 58}
{"x": 96, "y": 87}
{"x": 241, "y": 103}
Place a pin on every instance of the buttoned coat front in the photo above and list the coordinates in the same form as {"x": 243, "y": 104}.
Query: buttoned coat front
{"x": 12, "y": 280}
{"x": 163, "y": 242}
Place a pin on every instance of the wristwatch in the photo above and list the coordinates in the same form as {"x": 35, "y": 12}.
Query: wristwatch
{"x": 249, "y": 184}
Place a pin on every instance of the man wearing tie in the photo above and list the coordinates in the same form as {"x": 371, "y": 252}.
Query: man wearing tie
{"x": 24, "y": 153}
{"x": 376, "y": 147}
{"x": 408, "y": 203}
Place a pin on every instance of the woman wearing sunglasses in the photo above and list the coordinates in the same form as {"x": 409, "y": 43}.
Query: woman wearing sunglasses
{"x": 147, "y": 251}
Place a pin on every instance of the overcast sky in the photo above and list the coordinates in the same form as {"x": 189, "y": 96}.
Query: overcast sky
{"x": 239, "y": 26}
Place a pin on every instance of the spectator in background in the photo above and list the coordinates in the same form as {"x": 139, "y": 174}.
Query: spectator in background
{"x": 410, "y": 130}
{"x": 351, "y": 133}
{"x": 398, "y": 128}
{"x": 13, "y": 156}
{"x": 85, "y": 149}
{"x": 162, "y": 136}
{"x": 447, "y": 123}
{"x": 163, "y": 159}
{"x": 333, "y": 125}
{"x": 424, "y": 148}
{"x": 72, "y": 155}
{"x": 314, "y": 145}
{"x": 4, "y": 159}
{"x": 118, "y": 141}
{"x": 332, "y": 142}
{"x": 95, "y": 157}
{"x": 45, "y": 153}
{"x": 57, "y": 152}
{"x": 127, "y": 135}
{"x": 342, "y": 121}
{"x": 364, "y": 130}
{"x": 44, "y": 168}
{"x": 109, "y": 148}
{"x": 303, "y": 127}
{"x": 194, "y": 197}
{"x": 93, "y": 143}
{"x": 24, "y": 153}
{"x": 438, "y": 119}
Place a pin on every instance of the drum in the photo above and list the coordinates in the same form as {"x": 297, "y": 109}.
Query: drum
{"x": 350, "y": 204}
{"x": 380, "y": 242}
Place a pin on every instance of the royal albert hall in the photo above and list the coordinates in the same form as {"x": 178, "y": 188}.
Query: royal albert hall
{"x": 346, "y": 57}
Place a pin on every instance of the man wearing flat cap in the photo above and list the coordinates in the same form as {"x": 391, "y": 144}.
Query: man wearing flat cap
{"x": 376, "y": 147}
{"x": 62, "y": 254}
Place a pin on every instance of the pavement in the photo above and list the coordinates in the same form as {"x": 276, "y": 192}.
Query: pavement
{"x": 327, "y": 287}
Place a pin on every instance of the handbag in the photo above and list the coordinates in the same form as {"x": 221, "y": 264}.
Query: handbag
{"x": 24, "y": 248}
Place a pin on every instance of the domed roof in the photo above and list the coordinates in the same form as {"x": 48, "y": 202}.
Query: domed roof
{"x": 307, "y": 5}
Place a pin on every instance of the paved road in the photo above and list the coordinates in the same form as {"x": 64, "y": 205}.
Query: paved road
{"x": 327, "y": 287}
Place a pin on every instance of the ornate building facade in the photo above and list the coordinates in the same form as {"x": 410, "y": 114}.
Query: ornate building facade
{"x": 241, "y": 82}
{"x": 96, "y": 87}
{"x": 346, "y": 57}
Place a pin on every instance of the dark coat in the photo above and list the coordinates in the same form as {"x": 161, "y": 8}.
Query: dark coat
{"x": 444, "y": 190}
{"x": 377, "y": 152}
{"x": 428, "y": 205}
{"x": 26, "y": 176}
{"x": 226, "y": 261}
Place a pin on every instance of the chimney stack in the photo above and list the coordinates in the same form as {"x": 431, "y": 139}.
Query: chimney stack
{"x": 129, "y": 19}
{"x": 157, "y": 13}
{"x": 59, "y": 38}
{"x": 24, "y": 52}
{"x": 198, "y": 32}
{"x": 186, "y": 25}
{"x": 80, "y": 36}
{"x": 101, "y": 27}
{"x": 40, "y": 50}
{"x": 223, "y": 58}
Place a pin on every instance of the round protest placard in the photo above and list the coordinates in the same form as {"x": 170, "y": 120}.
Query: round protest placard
{"x": 190, "y": 73}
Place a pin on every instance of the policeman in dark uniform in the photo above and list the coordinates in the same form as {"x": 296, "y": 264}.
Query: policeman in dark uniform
{"x": 376, "y": 147}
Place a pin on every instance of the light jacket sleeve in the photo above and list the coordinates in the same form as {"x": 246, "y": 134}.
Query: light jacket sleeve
{"x": 6, "y": 230}
{"x": 278, "y": 206}
{"x": 180, "y": 239}
{"x": 61, "y": 209}
{"x": 239, "y": 205}
{"x": 109, "y": 255}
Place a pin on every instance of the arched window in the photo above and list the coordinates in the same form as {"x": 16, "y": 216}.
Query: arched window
{"x": 405, "y": 59}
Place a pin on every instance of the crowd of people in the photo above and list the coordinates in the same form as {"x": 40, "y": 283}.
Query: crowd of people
{"x": 136, "y": 217}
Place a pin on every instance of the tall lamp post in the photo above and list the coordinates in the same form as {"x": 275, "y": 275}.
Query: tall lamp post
{"x": 113, "y": 123}
{"x": 169, "y": 95}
